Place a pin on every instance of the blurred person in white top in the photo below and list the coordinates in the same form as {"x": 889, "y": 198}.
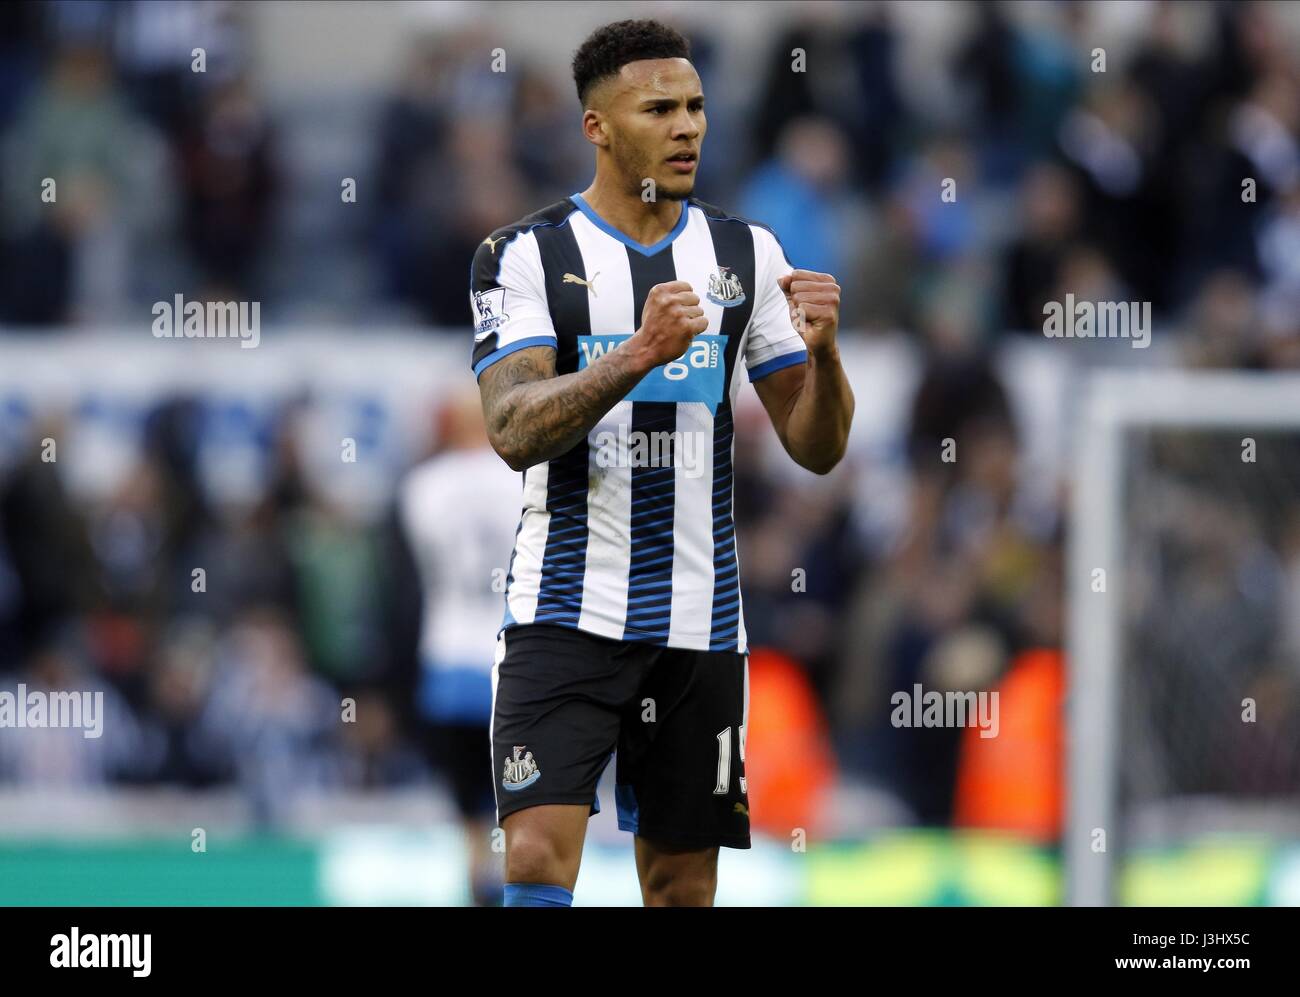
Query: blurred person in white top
{"x": 459, "y": 510}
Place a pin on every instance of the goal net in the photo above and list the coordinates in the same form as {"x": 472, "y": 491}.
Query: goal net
{"x": 1184, "y": 610}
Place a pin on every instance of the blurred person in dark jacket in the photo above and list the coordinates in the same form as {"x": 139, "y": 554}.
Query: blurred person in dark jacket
{"x": 1050, "y": 213}
{"x": 226, "y": 159}
{"x": 487, "y": 190}
{"x": 854, "y": 85}
{"x": 42, "y": 542}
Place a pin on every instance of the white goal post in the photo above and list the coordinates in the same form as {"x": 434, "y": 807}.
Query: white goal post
{"x": 1112, "y": 404}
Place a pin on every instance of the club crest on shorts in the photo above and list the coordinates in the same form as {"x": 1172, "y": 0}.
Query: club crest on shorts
{"x": 725, "y": 289}
{"x": 520, "y": 772}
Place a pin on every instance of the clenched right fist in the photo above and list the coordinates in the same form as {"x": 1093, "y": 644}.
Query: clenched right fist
{"x": 672, "y": 317}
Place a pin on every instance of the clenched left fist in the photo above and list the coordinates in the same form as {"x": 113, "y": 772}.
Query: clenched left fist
{"x": 814, "y": 302}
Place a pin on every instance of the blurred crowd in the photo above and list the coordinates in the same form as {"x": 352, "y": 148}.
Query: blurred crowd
{"x": 1173, "y": 177}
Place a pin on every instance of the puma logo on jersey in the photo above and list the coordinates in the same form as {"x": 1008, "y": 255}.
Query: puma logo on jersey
{"x": 590, "y": 285}
{"x": 492, "y": 243}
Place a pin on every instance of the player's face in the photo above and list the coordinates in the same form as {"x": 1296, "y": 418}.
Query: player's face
{"x": 656, "y": 126}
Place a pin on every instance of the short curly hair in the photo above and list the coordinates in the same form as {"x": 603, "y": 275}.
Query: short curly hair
{"x": 608, "y": 49}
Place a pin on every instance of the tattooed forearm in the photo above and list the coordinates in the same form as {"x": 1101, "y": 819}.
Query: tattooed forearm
{"x": 533, "y": 415}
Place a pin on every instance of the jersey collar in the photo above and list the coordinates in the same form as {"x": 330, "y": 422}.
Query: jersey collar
{"x": 610, "y": 230}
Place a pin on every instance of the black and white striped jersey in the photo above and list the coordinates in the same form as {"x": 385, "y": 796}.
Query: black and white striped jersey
{"x": 630, "y": 535}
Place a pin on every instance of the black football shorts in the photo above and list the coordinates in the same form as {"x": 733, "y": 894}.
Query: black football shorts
{"x": 564, "y": 702}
